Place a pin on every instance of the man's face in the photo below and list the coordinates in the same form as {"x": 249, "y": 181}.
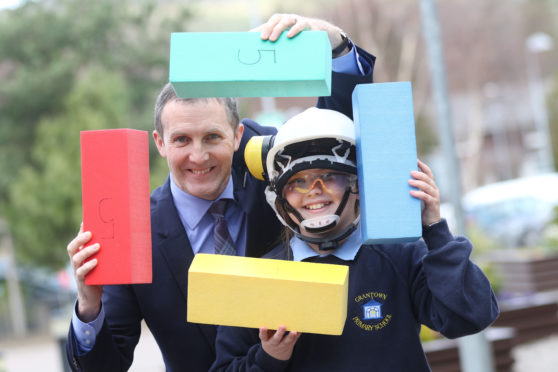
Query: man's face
{"x": 198, "y": 143}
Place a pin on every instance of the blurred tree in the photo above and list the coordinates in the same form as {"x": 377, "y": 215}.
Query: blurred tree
{"x": 542, "y": 16}
{"x": 46, "y": 195}
{"x": 66, "y": 66}
{"x": 392, "y": 31}
{"x": 552, "y": 106}
{"x": 484, "y": 52}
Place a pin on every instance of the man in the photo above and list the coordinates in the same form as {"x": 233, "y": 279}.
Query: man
{"x": 203, "y": 143}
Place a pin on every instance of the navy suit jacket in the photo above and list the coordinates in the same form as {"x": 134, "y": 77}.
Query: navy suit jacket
{"x": 162, "y": 304}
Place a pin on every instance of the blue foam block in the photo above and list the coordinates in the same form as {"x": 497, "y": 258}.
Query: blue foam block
{"x": 240, "y": 64}
{"x": 386, "y": 154}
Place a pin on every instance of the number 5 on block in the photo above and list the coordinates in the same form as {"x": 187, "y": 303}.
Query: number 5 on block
{"x": 115, "y": 197}
{"x": 240, "y": 64}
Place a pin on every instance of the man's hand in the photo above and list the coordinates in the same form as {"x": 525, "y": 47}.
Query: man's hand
{"x": 277, "y": 23}
{"x": 89, "y": 296}
{"x": 278, "y": 344}
{"x": 428, "y": 192}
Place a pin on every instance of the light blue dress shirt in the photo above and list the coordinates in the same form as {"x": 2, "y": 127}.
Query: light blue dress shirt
{"x": 350, "y": 63}
{"x": 199, "y": 224}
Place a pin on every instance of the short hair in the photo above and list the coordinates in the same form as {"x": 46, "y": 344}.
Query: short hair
{"x": 168, "y": 94}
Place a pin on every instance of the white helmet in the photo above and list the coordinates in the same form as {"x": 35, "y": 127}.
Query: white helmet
{"x": 315, "y": 138}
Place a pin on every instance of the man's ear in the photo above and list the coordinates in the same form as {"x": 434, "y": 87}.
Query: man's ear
{"x": 159, "y": 142}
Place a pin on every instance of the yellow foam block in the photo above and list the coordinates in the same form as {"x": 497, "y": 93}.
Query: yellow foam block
{"x": 255, "y": 292}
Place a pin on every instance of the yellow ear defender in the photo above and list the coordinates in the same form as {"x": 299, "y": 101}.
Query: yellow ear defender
{"x": 255, "y": 155}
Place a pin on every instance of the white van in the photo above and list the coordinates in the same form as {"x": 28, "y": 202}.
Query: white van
{"x": 514, "y": 212}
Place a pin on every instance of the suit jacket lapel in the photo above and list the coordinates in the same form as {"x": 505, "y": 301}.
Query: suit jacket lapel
{"x": 244, "y": 187}
{"x": 169, "y": 238}
{"x": 263, "y": 227}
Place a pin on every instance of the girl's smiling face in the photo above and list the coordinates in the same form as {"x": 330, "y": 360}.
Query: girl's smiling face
{"x": 318, "y": 192}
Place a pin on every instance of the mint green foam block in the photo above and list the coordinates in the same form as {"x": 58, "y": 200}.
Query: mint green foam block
{"x": 386, "y": 154}
{"x": 240, "y": 64}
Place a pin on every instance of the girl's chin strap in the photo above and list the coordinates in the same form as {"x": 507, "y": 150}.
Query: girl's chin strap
{"x": 328, "y": 244}
{"x": 321, "y": 228}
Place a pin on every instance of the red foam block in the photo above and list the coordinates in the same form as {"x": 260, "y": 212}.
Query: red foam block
{"x": 115, "y": 197}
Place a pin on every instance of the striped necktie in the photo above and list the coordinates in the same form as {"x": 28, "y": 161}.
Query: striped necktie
{"x": 223, "y": 241}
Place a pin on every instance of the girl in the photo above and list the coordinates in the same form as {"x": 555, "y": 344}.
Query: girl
{"x": 310, "y": 168}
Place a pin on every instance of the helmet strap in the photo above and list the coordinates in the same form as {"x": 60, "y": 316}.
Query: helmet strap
{"x": 323, "y": 242}
{"x": 328, "y": 244}
{"x": 334, "y": 221}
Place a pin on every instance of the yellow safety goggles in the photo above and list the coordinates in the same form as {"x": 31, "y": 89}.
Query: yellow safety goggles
{"x": 330, "y": 182}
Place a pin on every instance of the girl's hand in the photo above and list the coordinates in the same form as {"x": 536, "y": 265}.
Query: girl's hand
{"x": 278, "y": 344}
{"x": 428, "y": 192}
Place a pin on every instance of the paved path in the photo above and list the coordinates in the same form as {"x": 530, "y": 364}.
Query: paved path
{"x": 43, "y": 354}
{"x": 31, "y": 354}
{"x": 537, "y": 356}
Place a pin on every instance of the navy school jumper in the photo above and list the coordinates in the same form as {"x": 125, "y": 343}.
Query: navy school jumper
{"x": 392, "y": 290}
